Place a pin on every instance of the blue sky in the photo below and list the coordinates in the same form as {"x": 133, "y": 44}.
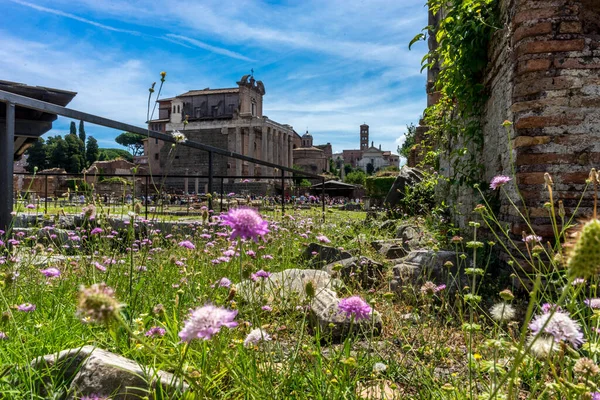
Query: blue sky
{"x": 327, "y": 65}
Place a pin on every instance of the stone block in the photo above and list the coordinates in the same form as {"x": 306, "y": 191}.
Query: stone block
{"x": 94, "y": 371}
{"x": 286, "y": 287}
{"x": 336, "y": 326}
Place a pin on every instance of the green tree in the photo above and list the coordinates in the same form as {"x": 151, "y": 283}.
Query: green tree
{"x": 92, "y": 152}
{"x": 112, "y": 154}
{"x": 409, "y": 141}
{"x": 73, "y": 129}
{"x": 132, "y": 141}
{"x": 57, "y": 152}
{"x": 370, "y": 169}
{"x": 348, "y": 168}
{"x": 82, "y": 138}
{"x": 37, "y": 155}
{"x": 356, "y": 177}
{"x": 75, "y": 160}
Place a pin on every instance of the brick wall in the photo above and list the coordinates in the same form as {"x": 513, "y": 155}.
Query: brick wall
{"x": 556, "y": 103}
{"x": 543, "y": 74}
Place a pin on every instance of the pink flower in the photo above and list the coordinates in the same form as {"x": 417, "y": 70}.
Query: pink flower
{"x": 96, "y": 231}
{"x": 187, "y": 244}
{"x": 323, "y": 239}
{"x": 498, "y": 181}
{"x": 261, "y": 274}
{"x": 206, "y": 321}
{"x": 532, "y": 238}
{"x": 26, "y": 307}
{"x": 356, "y": 307}
{"x": 50, "y": 272}
{"x": 30, "y": 206}
{"x": 224, "y": 282}
{"x": 267, "y": 308}
{"x": 155, "y": 331}
{"x": 245, "y": 223}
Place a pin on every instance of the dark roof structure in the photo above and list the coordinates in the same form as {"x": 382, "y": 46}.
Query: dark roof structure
{"x": 31, "y": 124}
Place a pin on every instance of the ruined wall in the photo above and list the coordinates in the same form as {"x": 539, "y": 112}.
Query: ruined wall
{"x": 556, "y": 102}
{"x": 543, "y": 74}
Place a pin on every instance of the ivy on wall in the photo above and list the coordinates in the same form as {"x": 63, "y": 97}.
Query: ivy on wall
{"x": 463, "y": 34}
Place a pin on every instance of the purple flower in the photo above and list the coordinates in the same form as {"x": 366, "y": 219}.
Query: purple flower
{"x": 206, "y": 321}
{"x": 3, "y": 336}
{"x": 251, "y": 253}
{"x": 26, "y": 307}
{"x": 187, "y": 244}
{"x": 96, "y": 231}
{"x": 323, "y": 239}
{"x": 262, "y": 274}
{"x": 245, "y": 223}
{"x": 560, "y": 326}
{"x": 498, "y": 181}
{"x": 224, "y": 282}
{"x": 155, "y": 331}
{"x": 267, "y": 308}
{"x": 547, "y": 307}
{"x": 355, "y": 307}
{"x": 30, "y": 206}
{"x": 50, "y": 272}
{"x": 595, "y": 396}
{"x": 267, "y": 257}
{"x": 592, "y": 303}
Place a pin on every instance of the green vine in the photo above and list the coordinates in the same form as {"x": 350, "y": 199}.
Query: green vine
{"x": 462, "y": 35}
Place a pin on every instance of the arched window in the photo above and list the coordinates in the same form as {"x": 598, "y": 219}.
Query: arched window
{"x": 253, "y": 108}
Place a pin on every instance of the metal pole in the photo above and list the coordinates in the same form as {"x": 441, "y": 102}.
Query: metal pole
{"x": 210, "y": 179}
{"x": 323, "y": 197}
{"x": 46, "y": 195}
{"x": 282, "y": 192}
{"x": 7, "y": 145}
{"x": 147, "y": 183}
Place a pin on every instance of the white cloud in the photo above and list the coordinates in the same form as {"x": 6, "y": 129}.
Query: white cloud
{"x": 208, "y": 47}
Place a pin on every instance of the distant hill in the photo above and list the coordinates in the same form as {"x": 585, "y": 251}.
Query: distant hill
{"x": 111, "y": 154}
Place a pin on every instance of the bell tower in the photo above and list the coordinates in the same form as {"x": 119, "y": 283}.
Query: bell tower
{"x": 364, "y": 137}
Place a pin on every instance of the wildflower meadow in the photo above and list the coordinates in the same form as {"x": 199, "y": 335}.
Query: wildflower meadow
{"x": 172, "y": 301}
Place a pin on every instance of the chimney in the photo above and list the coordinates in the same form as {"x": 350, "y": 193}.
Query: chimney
{"x": 372, "y": 143}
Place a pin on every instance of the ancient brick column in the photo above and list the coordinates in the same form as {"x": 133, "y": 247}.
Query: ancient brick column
{"x": 556, "y": 103}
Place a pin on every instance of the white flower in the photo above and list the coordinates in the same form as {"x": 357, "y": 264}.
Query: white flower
{"x": 502, "y": 312}
{"x": 178, "y": 136}
{"x": 543, "y": 346}
{"x": 255, "y": 336}
{"x": 379, "y": 367}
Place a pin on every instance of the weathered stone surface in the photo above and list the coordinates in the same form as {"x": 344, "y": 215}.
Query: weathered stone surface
{"x": 390, "y": 248}
{"x": 287, "y": 287}
{"x": 428, "y": 265}
{"x": 411, "y": 236}
{"x": 334, "y": 325}
{"x": 324, "y": 254}
{"x": 362, "y": 269}
{"x": 95, "y": 371}
{"x": 406, "y": 177}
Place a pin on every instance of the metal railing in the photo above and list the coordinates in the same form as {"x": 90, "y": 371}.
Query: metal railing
{"x": 7, "y": 148}
{"x": 146, "y": 186}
